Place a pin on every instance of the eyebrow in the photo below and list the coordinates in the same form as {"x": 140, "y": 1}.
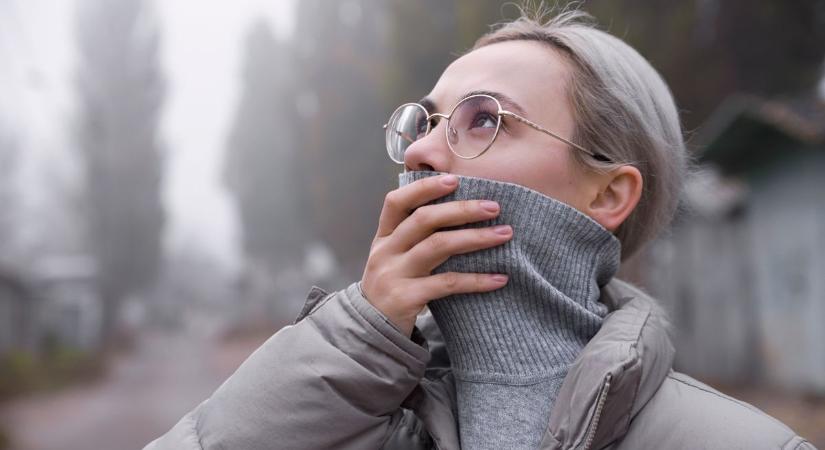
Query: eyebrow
{"x": 506, "y": 102}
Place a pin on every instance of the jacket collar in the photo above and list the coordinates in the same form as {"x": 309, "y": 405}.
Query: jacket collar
{"x": 616, "y": 374}
{"x": 613, "y": 378}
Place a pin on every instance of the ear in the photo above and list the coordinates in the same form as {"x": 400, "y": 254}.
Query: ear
{"x": 619, "y": 193}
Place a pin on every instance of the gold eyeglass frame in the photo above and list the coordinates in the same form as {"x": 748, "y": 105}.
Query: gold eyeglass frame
{"x": 501, "y": 112}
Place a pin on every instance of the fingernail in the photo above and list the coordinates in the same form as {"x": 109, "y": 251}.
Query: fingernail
{"x": 502, "y": 229}
{"x": 499, "y": 278}
{"x": 489, "y": 206}
{"x": 449, "y": 180}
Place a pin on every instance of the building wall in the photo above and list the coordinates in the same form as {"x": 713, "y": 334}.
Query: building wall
{"x": 699, "y": 278}
{"x": 746, "y": 288}
{"x": 788, "y": 245}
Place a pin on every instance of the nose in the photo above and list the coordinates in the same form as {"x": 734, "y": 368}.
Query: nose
{"x": 430, "y": 152}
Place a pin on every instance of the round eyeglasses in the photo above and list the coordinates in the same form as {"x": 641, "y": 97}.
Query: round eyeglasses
{"x": 472, "y": 127}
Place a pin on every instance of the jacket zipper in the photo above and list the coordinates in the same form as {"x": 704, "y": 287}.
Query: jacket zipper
{"x": 594, "y": 424}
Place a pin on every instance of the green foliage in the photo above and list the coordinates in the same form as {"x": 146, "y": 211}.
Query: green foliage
{"x": 23, "y": 372}
{"x": 18, "y": 371}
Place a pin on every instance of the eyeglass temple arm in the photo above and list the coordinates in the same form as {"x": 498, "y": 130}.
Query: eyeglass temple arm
{"x": 543, "y": 130}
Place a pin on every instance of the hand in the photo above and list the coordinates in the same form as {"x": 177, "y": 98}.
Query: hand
{"x": 397, "y": 278}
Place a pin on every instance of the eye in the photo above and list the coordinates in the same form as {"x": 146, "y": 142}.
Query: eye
{"x": 484, "y": 120}
{"x": 421, "y": 126}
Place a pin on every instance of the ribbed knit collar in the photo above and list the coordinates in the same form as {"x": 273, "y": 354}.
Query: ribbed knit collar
{"x": 536, "y": 325}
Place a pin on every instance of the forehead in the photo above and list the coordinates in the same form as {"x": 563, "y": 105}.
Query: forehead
{"x": 532, "y": 73}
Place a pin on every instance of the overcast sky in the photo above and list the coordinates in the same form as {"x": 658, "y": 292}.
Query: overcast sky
{"x": 201, "y": 47}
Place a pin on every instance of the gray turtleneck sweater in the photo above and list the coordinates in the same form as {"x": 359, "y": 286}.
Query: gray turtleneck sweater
{"x": 510, "y": 349}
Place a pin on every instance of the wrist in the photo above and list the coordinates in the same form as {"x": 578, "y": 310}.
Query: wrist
{"x": 404, "y": 327}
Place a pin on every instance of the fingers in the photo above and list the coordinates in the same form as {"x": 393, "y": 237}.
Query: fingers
{"x": 449, "y": 283}
{"x": 397, "y": 278}
{"x": 400, "y": 203}
{"x": 427, "y": 219}
{"x": 438, "y": 247}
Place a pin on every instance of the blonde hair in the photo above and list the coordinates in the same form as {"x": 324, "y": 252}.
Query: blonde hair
{"x": 622, "y": 109}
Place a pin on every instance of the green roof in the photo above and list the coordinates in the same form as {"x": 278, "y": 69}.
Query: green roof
{"x": 747, "y": 131}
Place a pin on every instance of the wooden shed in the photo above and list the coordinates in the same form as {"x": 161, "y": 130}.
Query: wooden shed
{"x": 743, "y": 271}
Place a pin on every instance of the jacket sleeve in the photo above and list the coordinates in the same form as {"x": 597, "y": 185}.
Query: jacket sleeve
{"x": 334, "y": 379}
{"x": 798, "y": 443}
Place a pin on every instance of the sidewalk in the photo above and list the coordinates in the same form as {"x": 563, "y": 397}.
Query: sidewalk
{"x": 144, "y": 395}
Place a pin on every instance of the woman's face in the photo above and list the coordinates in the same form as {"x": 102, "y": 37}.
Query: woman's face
{"x": 534, "y": 77}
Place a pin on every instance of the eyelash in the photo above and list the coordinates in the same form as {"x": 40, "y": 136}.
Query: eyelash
{"x": 504, "y": 123}
{"x": 504, "y": 126}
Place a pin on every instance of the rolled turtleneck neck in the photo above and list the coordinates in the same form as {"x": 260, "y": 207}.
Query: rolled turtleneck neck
{"x": 527, "y": 333}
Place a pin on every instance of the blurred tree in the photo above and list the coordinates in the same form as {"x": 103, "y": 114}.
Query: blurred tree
{"x": 422, "y": 44}
{"x": 476, "y": 17}
{"x": 8, "y": 167}
{"x": 341, "y": 59}
{"x": 709, "y": 49}
{"x": 426, "y": 36}
{"x": 260, "y": 168}
{"x": 355, "y": 61}
{"x": 120, "y": 92}
{"x": 705, "y": 49}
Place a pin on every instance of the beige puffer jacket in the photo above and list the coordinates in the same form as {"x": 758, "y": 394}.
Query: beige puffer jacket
{"x": 343, "y": 377}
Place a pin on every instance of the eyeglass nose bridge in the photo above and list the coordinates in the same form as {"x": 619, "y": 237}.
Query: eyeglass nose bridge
{"x": 439, "y": 116}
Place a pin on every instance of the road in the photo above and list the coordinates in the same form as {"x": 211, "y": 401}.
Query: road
{"x": 143, "y": 395}
{"x": 149, "y": 389}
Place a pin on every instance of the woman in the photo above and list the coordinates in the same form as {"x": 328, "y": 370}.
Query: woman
{"x": 539, "y": 160}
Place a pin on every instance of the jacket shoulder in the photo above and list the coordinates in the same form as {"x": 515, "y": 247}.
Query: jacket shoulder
{"x": 686, "y": 413}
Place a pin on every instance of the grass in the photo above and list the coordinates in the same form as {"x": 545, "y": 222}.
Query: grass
{"x": 5, "y": 441}
{"x": 23, "y": 372}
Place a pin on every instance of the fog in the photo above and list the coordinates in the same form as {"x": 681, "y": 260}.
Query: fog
{"x": 176, "y": 175}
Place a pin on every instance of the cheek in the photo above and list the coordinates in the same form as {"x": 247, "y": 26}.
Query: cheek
{"x": 550, "y": 171}
{"x": 556, "y": 180}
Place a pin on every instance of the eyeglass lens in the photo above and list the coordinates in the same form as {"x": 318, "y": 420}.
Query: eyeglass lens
{"x": 407, "y": 125}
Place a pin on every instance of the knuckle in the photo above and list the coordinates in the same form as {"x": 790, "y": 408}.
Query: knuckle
{"x": 380, "y": 268}
{"x": 376, "y": 254}
{"x": 373, "y": 264}
{"x": 423, "y": 216}
{"x": 432, "y": 183}
{"x": 451, "y": 280}
{"x": 436, "y": 241}
{"x": 468, "y": 207}
{"x": 485, "y": 234}
{"x": 391, "y": 199}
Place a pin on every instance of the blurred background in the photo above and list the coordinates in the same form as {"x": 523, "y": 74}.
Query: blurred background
{"x": 174, "y": 176}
